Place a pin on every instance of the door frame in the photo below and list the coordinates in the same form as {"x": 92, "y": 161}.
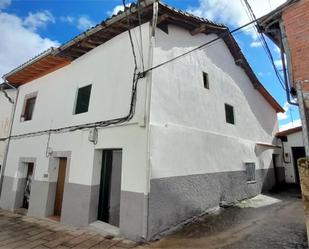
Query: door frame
{"x": 104, "y": 192}
{"x": 18, "y": 200}
{"x": 52, "y": 175}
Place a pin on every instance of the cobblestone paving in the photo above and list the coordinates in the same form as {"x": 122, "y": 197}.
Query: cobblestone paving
{"x": 17, "y": 231}
{"x": 276, "y": 226}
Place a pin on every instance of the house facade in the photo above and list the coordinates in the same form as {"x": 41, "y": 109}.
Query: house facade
{"x": 293, "y": 148}
{"x": 7, "y": 98}
{"x": 142, "y": 150}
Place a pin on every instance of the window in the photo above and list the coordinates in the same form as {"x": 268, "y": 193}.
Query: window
{"x": 206, "y": 80}
{"x": 229, "y": 114}
{"x": 28, "y": 108}
{"x": 250, "y": 172}
{"x": 83, "y": 97}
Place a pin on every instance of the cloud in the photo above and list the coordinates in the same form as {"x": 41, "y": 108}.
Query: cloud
{"x": 117, "y": 9}
{"x": 278, "y": 63}
{"x": 283, "y": 116}
{"x": 18, "y": 42}
{"x": 4, "y": 3}
{"x": 290, "y": 125}
{"x": 234, "y": 13}
{"x": 84, "y": 23}
{"x": 255, "y": 44}
{"x": 38, "y": 20}
{"x": 68, "y": 19}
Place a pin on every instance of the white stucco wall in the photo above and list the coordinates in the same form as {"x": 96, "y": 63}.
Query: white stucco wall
{"x": 189, "y": 134}
{"x": 109, "y": 68}
{"x": 6, "y": 109}
{"x": 294, "y": 140}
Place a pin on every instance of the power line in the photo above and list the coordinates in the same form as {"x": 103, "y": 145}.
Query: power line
{"x": 263, "y": 41}
{"x": 227, "y": 32}
{"x": 136, "y": 77}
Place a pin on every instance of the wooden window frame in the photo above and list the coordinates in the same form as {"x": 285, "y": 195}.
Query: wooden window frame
{"x": 27, "y": 113}
{"x": 227, "y": 108}
{"x": 77, "y": 103}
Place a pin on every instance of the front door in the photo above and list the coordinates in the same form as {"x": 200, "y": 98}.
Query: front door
{"x": 297, "y": 152}
{"x": 110, "y": 187}
{"x": 27, "y": 188}
{"x": 60, "y": 186}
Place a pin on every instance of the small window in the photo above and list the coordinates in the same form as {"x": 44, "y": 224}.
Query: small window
{"x": 229, "y": 114}
{"x": 250, "y": 172}
{"x": 28, "y": 108}
{"x": 83, "y": 97}
{"x": 206, "y": 80}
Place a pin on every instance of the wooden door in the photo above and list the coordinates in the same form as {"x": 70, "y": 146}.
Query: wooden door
{"x": 60, "y": 186}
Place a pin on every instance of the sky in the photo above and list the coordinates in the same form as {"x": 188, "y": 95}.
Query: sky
{"x": 28, "y": 27}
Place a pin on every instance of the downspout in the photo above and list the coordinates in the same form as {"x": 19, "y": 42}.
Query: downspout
{"x": 286, "y": 80}
{"x": 147, "y": 116}
{"x": 9, "y": 136}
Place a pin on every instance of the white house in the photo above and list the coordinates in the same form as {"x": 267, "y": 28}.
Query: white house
{"x": 293, "y": 148}
{"x": 7, "y": 98}
{"x": 142, "y": 152}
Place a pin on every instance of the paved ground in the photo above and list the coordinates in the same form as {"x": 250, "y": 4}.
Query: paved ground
{"x": 17, "y": 231}
{"x": 279, "y": 225}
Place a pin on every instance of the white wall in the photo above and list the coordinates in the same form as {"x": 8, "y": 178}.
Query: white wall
{"x": 6, "y": 109}
{"x": 294, "y": 140}
{"x": 189, "y": 134}
{"x": 109, "y": 68}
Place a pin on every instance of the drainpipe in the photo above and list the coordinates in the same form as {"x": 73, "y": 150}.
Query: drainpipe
{"x": 147, "y": 115}
{"x": 9, "y": 137}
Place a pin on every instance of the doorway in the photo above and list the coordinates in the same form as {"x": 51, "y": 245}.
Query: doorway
{"x": 297, "y": 152}
{"x": 27, "y": 185}
{"x": 60, "y": 186}
{"x": 110, "y": 187}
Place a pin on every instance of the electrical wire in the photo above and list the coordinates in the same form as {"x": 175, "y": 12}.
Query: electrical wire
{"x": 135, "y": 79}
{"x": 211, "y": 42}
{"x": 263, "y": 41}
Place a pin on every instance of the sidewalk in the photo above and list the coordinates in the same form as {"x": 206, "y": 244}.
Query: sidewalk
{"x": 17, "y": 231}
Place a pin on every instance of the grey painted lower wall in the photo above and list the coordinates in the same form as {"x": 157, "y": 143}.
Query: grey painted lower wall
{"x": 175, "y": 199}
{"x": 12, "y": 193}
{"x": 42, "y": 198}
{"x": 132, "y": 214}
{"x": 80, "y": 204}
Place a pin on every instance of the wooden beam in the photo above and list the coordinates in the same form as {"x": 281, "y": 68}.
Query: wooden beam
{"x": 79, "y": 50}
{"x": 198, "y": 30}
{"x": 87, "y": 45}
{"x": 162, "y": 18}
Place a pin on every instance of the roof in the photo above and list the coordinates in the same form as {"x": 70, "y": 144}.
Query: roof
{"x": 271, "y": 21}
{"x": 289, "y": 131}
{"x": 56, "y": 58}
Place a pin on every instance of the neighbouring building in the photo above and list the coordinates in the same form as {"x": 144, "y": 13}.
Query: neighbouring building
{"x": 288, "y": 27}
{"x": 7, "y": 98}
{"x": 142, "y": 150}
{"x": 292, "y": 145}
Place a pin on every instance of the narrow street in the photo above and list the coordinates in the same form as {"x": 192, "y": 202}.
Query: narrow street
{"x": 280, "y": 225}
{"x": 268, "y": 222}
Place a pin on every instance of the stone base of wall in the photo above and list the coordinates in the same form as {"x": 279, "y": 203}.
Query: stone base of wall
{"x": 303, "y": 167}
{"x": 175, "y": 199}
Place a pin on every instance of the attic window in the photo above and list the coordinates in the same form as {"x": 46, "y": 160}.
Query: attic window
{"x": 206, "y": 80}
{"x": 229, "y": 114}
{"x": 83, "y": 97}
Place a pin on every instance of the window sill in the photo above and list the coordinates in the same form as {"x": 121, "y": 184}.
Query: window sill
{"x": 251, "y": 182}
